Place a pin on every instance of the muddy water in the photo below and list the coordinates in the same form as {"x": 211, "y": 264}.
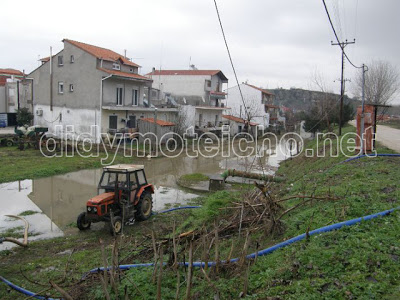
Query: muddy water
{"x": 59, "y": 199}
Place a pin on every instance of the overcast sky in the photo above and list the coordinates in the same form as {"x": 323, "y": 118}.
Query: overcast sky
{"x": 273, "y": 43}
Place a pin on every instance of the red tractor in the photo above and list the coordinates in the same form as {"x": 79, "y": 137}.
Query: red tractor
{"x": 126, "y": 196}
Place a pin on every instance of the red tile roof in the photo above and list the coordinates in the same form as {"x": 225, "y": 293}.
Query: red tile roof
{"x": 188, "y": 72}
{"x": 159, "y": 122}
{"x": 271, "y": 106}
{"x": 9, "y": 71}
{"x": 101, "y": 53}
{"x": 237, "y": 119}
{"x": 124, "y": 74}
{"x": 260, "y": 89}
{"x": 217, "y": 93}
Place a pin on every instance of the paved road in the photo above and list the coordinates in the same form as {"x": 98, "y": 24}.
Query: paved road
{"x": 387, "y": 136}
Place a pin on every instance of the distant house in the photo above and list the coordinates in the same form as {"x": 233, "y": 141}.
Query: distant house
{"x": 237, "y": 125}
{"x": 199, "y": 94}
{"x": 258, "y": 104}
{"x": 85, "y": 85}
{"x": 15, "y": 93}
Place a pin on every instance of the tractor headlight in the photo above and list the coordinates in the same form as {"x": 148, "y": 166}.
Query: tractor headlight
{"x": 95, "y": 209}
{"x": 89, "y": 208}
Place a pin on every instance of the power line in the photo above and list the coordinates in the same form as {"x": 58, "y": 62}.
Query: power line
{"x": 230, "y": 58}
{"x": 337, "y": 38}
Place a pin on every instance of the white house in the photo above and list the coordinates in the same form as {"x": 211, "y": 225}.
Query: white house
{"x": 237, "y": 125}
{"x": 85, "y": 85}
{"x": 199, "y": 94}
{"x": 258, "y": 104}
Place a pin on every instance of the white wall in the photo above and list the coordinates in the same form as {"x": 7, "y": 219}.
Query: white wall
{"x": 181, "y": 85}
{"x": 81, "y": 119}
{"x": 252, "y": 98}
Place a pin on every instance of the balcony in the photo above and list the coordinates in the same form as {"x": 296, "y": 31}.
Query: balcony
{"x": 217, "y": 95}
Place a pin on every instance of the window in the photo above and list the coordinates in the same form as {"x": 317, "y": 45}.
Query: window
{"x": 71, "y": 87}
{"x": 60, "y": 60}
{"x": 208, "y": 83}
{"x": 61, "y": 87}
{"x": 154, "y": 94}
{"x": 131, "y": 70}
{"x": 141, "y": 178}
{"x": 72, "y": 59}
{"x": 119, "y": 95}
{"x": 116, "y": 66}
{"x": 134, "y": 97}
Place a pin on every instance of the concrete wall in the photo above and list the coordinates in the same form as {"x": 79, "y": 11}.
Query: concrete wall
{"x": 252, "y": 98}
{"x": 2, "y": 99}
{"x": 208, "y": 116}
{"x": 110, "y": 91}
{"x": 123, "y": 117}
{"x": 124, "y": 68}
{"x": 80, "y": 118}
{"x": 182, "y": 85}
{"x": 82, "y": 74}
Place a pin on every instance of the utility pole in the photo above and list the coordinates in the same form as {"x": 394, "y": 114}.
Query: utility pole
{"x": 342, "y": 45}
{"x": 364, "y": 69}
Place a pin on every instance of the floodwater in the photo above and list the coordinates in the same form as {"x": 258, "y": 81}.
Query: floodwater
{"x": 59, "y": 199}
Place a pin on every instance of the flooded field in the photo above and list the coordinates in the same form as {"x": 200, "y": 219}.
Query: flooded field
{"x": 52, "y": 204}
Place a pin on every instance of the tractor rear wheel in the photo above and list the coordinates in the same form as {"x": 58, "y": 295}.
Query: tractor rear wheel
{"x": 116, "y": 225}
{"x": 144, "y": 207}
{"x": 82, "y": 222}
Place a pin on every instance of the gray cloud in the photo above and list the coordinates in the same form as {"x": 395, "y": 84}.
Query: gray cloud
{"x": 273, "y": 43}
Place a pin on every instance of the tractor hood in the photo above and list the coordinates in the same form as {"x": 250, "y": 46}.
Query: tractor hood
{"x": 100, "y": 199}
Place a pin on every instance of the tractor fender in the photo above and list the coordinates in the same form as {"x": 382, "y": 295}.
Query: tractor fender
{"x": 147, "y": 187}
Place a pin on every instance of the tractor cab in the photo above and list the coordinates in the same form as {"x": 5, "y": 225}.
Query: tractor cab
{"x": 124, "y": 195}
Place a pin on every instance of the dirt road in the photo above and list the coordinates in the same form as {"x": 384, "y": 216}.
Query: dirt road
{"x": 387, "y": 136}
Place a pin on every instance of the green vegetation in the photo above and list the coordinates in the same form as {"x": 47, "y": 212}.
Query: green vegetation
{"x": 357, "y": 262}
{"x": 194, "y": 177}
{"x": 31, "y": 164}
{"x": 391, "y": 123}
{"x": 24, "y": 116}
{"x": 28, "y": 213}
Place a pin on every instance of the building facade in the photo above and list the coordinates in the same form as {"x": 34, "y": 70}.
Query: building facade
{"x": 257, "y": 103}
{"x": 85, "y": 85}
{"x": 199, "y": 93}
{"x": 15, "y": 91}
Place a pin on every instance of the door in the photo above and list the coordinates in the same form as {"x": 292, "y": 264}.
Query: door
{"x": 132, "y": 121}
{"x": 113, "y": 122}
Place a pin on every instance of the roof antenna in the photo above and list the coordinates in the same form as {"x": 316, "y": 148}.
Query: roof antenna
{"x": 190, "y": 62}
{"x": 125, "y": 53}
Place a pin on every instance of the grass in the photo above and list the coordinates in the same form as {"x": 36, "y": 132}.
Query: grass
{"x": 394, "y": 123}
{"x": 31, "y": 164}
{"x": 28, "y": 213}
{"x": 357, "y": 262}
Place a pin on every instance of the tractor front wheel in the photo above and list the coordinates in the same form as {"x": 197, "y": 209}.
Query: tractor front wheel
{"x": 82, "y": 222}
{"x": 116, "y": 225}
{"x": 144, "y": 207}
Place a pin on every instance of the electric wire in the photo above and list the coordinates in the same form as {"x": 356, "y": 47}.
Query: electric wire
{"x": 337, "y": 38}
{"x": 230, "y": 58}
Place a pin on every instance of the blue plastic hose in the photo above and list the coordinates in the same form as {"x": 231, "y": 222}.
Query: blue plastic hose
{"x": 211, "y": 264}
{"x": 176, "y": 208}
{"x": 270, "y": 249}
{"x": 22, "y": 290}
{"x": 364, "y": 155}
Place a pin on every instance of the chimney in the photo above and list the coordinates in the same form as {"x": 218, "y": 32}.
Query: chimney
{"x": 154, "y": 69}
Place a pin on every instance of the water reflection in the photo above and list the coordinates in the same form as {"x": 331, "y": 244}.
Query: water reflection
{"x": 59, "y": 199}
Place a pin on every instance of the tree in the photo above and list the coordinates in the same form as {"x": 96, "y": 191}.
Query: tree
{"x": 324, "y": 112}
{"x": 24, "y": 116}
{"x": 381, "y": 82}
